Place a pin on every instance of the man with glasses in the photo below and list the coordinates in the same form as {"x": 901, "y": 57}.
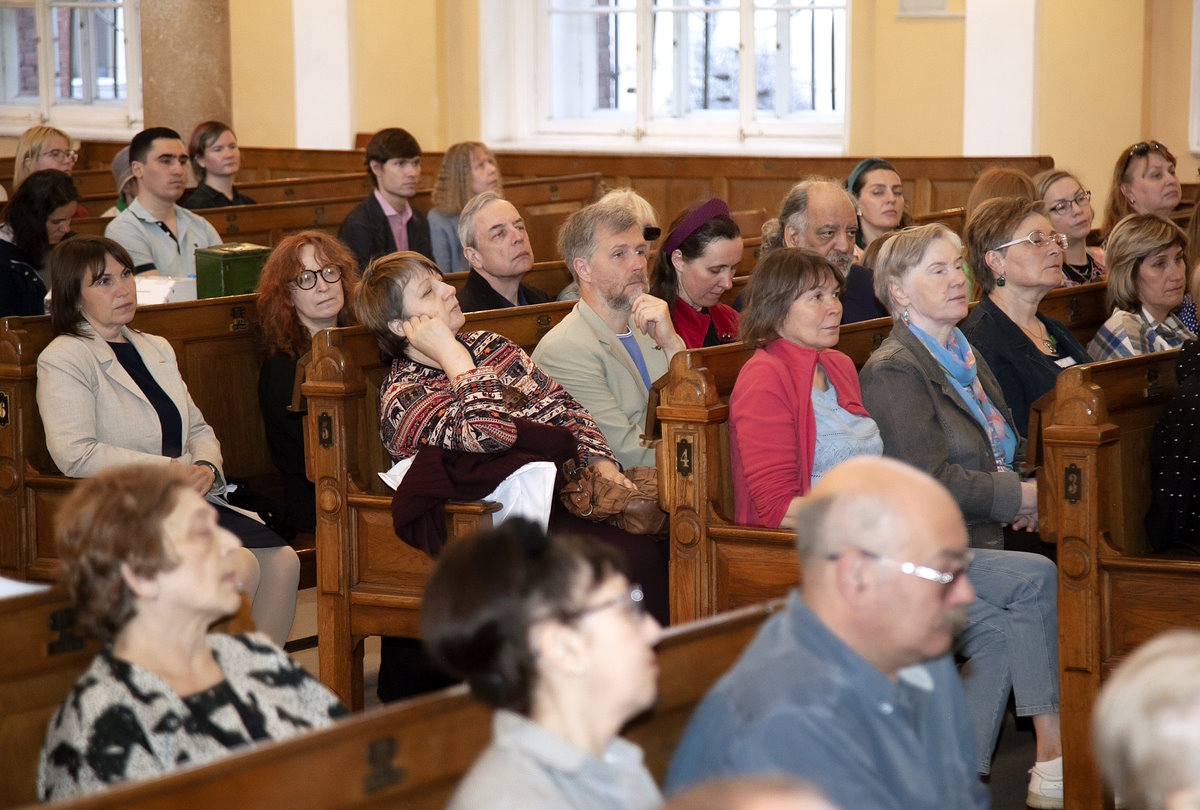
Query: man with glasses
{"x": 161, "y": 236}
{"x": 851, "y": 685}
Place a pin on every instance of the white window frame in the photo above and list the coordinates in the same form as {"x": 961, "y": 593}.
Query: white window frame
{"x": 515, "y": 98}
{"x": 103, "y": 120}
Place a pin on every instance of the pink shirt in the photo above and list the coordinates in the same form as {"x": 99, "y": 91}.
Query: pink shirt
{"x": 397, "y": 220}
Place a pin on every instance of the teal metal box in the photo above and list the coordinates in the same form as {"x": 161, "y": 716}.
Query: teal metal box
{"x": 229, "y": 269}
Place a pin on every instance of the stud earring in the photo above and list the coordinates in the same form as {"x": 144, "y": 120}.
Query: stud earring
{"x": 904, "y": 316}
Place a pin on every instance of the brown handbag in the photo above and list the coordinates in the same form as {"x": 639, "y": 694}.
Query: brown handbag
{"x": 591, "y": 496}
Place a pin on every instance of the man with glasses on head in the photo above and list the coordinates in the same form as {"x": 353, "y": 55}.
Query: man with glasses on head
{"x": 852, "y": 686}
{"x": 161, "y": 236}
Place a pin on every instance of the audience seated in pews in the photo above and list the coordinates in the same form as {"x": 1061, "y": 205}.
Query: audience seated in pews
{"x": 386, "y": 222}
{"x": 751, "y": 793}
{"x": 1017, "y": 257}
{"x": 552, "y": 633}
{"x": 216, "y": 160}
{"x": 852, "y": 686}
{"x": 878, "y": 195}
{"x": 1173, "y": 519}
{"x": 160, "y": 235}
{"x": 1147, "y": 280}
{"x": 695, "y": 268}
{"x": 149, "y": 569}
{"x": 39, "y": 217}
{"x": 43, "y": 147}
{"x": 468, "y": 168}
{"x": 618, "y": 339}
{"x": 819, "y": 214}
{"x": 1069, "y": 207}
{"x": 127, "y": 184}
{"x": 796, "y": 412}
{"x": 111, "y": 395}
{"x": 497, "y": 249}
{"x": 306, "y": 285}
{"x": 1143, "y": 182}
{"x": 645, "y": 214}
{"x": 1146, "y": 725}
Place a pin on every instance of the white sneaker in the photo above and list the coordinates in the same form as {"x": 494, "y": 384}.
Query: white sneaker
{"x": 1045, "y": 785}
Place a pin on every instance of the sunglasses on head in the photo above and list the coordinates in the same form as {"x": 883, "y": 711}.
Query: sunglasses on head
{"x": 1141, "y": 150}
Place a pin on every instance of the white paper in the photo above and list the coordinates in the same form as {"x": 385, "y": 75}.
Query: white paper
{"x": 527, "y": 493}
{"x": 164, "y": 289}
{"x": 13, "y": 587}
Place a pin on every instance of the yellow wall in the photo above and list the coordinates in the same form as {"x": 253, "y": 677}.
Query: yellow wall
{"x": 264, "y": 76}
{"x": 1169, "y": 60}
{"x": 906, "y": 82}
{"x": 1090, "y": 87}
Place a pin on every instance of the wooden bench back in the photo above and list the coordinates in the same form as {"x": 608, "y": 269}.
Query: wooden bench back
{"x": 412, "y": 754}
{"x": 218, "y": 357}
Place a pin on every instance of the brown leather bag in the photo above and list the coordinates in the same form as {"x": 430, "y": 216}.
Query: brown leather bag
{"x": 591, "y": 496}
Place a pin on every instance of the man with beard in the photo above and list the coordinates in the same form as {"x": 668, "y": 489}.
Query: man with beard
{"x": 618, "y": 339}
{"x": 819, "y": 214}
{"x": 851, "y": 685}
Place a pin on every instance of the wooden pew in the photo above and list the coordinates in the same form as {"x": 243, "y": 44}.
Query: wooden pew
{"x": 1081, "y": 309}
{"x": 549, "y": 277}
{"x": 368, "y": 581}
{"x": 953, "y": 218}
{"x": 316, "y": 187}
{"x": 44, "y": 654}
{"x": 218, "y": 357}
{"x": 1093, "y": 492}
{"x": 412, "y": 754}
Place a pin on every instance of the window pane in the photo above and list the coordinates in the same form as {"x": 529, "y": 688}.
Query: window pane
{"x": 555, "y": 5}
{"x": 18, "y": 49}
{"x": 89, "y": 53}
{"x": 695, "y": 62}
{"x": 799, "y": 57}
{"x": 594, "y": 64}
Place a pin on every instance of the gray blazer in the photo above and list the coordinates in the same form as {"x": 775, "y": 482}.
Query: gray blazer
{"x": 584, "y": 356}
{"x": 96, "y": 416}
{"x": 924, "y": 422}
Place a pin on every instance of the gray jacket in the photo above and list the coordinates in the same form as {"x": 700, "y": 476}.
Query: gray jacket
{"x": 924, "y": 422}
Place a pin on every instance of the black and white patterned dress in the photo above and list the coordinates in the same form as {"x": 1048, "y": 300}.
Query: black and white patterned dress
{"x": 122, "y": 722}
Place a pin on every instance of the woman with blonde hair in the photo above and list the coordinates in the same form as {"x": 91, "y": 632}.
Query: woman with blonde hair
{"x": 468, "y": 168}
{"x": 44, "y": 148}
{"x": 1069, "y": 207}
{"x": 1147, "y": 280}
{"x": 1143, "y": 182}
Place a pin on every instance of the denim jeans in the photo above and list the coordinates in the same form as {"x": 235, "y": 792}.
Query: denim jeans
{"x": 1010, "y": 641}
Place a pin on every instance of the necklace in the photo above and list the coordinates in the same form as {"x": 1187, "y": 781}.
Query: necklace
{"x": 1048, "y": 341}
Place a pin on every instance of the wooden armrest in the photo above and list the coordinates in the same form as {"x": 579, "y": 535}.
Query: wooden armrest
{"x": 652, "y": 431}
{"x": 472, "y": 507}
{"x": 464, "y": 518}
{"x": 299, "y": 403}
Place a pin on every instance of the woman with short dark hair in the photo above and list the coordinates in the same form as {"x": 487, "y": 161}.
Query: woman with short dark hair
{"x": 551, "y": 632}
{"x": 149, "y": 569}
{"x": 216, "y": 161}
{"x": 39, "y": 216}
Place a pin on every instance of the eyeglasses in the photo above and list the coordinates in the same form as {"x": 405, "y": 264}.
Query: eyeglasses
{"x": 1079, "y": 201}
{"x": 943, "y": 578}
{"x": 1141, "y": 150}
{"x": 308, "y": 278}
{"x": 633, "y": 602}
{"x": 1038, "y": 239}
{"x": 60, "y": 155}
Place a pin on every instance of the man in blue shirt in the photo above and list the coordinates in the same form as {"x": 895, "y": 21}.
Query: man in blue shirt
{"x": 851, "y": 686}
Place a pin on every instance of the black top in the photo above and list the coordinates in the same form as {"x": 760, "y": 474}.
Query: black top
{"x": 205, "y": 196}
{"x": 858, "y": 296}
{"x": 1023, "y": 370}
{"x": 285, "y": 439}
{"x": 22, "y": 291}
{"x": 478, "y": 295}
{"x": 168, "y": 415}
{"x": 1171, "y": 522}
{"x": 366, "y": 232}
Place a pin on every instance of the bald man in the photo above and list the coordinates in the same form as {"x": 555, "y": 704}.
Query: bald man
{"x": 852, "y": 686}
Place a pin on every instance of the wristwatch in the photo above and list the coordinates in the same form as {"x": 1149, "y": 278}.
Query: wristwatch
{"x": 216, "y": 475}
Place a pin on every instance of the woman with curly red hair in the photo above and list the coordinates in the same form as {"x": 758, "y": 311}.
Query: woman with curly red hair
{"x": 305, "y": 286}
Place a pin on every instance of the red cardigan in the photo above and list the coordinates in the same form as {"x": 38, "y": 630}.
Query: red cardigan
{"x": 692, "y": 325}
{"x": 772, "y": 429}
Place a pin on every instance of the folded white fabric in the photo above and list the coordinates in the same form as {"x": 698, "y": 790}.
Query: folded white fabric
{"x": 527, "y": 493}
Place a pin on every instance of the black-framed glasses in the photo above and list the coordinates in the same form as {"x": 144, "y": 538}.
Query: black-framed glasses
{"x": 1038, "y": 239}
{"x": 307, "y": 279}
{"x": 1141, "y": 150}
{"x": 62, "y": 154}
{"x": 1079, "y": 201}
{"x": 943, "y": 578}
{"x": 633, "y": 602}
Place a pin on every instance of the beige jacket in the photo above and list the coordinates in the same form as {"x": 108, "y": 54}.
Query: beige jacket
{"x": 95, "y": 416}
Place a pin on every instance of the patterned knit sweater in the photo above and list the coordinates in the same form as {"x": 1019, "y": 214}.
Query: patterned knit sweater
{"x": 420, "y": 406}
{"x": 122, "y": 722}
